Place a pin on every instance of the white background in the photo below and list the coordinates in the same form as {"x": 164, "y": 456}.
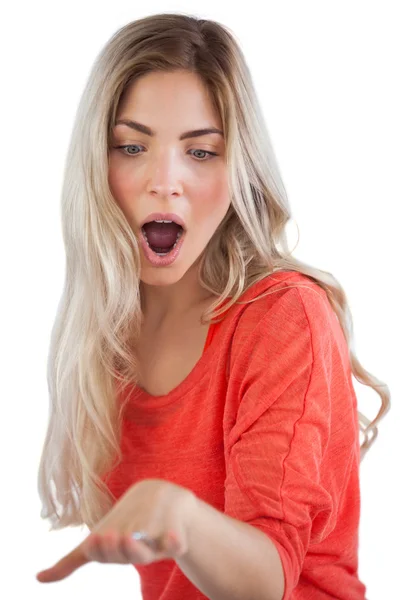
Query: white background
{"x": 327, "y": 74}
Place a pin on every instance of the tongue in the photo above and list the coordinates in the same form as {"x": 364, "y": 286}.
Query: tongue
{"x": 161, "y": 235}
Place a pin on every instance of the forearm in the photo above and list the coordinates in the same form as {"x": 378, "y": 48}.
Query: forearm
{"x": 230, "y": 560}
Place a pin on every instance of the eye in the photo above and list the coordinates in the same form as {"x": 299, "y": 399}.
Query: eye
{"x": 123, "y": 148}
{"x": 204, "y": 152}
{"x": 200, "y": 159}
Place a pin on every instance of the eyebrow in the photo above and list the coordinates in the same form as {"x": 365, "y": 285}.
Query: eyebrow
{"x": 187, "y": 134}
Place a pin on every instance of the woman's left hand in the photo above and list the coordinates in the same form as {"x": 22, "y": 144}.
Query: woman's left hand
{"x": 160, "y": 508}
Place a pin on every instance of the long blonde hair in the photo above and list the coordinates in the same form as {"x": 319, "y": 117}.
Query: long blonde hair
{"x": 99, "y": 316}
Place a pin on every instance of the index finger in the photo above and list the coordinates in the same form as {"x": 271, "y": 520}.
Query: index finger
{"x": 64, "y": 567}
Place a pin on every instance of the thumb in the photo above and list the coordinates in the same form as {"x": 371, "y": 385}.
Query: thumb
{"x": 173, "y": 544}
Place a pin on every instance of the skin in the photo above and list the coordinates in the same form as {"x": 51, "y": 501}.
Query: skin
{"x": 164, "y": 174}
{"x": 160, "y": 508}
{"x": 168, "y": 178}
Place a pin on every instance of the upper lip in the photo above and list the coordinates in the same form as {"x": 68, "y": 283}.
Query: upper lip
{"x": 164, "y": 217}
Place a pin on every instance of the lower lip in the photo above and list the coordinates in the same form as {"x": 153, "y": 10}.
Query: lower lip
{"x": 161, "y": 261}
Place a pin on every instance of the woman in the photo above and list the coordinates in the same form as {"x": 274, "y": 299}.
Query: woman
{"x": 204, "y": 424}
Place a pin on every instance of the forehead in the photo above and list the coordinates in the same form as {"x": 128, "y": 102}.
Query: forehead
{"x": 159, "y": 97}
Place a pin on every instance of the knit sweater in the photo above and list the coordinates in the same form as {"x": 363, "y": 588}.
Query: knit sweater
{"x": 265, "y": 429}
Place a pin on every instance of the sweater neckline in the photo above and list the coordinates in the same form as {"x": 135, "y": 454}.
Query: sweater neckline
{"x": 142, "y": 397}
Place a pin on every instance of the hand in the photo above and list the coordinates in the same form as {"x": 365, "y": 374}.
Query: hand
{"x": 160, "y": 508}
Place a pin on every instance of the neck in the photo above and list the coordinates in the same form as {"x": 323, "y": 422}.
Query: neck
{"x": 168, "y": 303}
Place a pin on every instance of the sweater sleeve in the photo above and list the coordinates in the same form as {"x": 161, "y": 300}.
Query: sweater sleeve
{"x": 282, "y": 379}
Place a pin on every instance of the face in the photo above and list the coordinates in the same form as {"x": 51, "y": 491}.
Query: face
{"x": 163, "y": 173}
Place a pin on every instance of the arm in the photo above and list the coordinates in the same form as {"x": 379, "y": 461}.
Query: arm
{"x": 229, "y": 559}
{"x": 273, "y": 488}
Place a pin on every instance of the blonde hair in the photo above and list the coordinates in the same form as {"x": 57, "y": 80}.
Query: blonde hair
{"x": 99, "y": 316}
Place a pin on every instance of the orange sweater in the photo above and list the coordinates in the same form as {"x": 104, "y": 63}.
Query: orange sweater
{"x": 265, "y": 429}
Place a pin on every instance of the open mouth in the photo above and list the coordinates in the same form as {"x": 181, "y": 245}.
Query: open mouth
{"x": 162, "y": 237}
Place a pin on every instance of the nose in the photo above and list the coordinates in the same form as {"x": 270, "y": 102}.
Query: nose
{"x": 165, "y": 177}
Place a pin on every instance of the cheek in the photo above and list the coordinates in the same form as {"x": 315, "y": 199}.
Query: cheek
{"x": 212, "y": 202}
{"x": 122, "y": 186}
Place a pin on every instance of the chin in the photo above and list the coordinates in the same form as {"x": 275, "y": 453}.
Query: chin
{"x": 161, "y": 275}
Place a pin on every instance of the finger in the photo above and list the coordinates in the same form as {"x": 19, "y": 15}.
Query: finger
{"x": 111, "y": 550}
{"x": 113, "y": 547}
{"x": 64, "y": 567}
{"x": 132, "y": 550}
{"x": 139, "y": 552}
{"x": 96, "y": 549}
{"x": 173, "y": 543}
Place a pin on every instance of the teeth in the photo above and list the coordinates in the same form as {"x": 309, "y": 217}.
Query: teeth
{"x": 162, "y": 253}
{"x": 163, "y": 221}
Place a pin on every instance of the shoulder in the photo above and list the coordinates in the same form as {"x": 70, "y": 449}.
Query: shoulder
{"x": 287, "y": 329}
{"x": 282, "y": 301}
